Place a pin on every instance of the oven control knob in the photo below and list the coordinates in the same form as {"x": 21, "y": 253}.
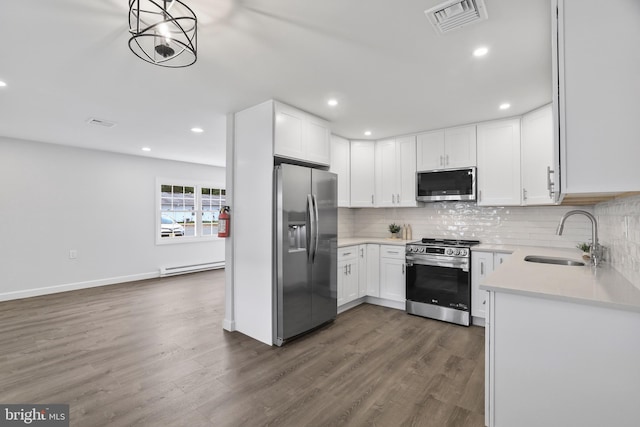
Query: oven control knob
{"x": 457, "y": 252}
{"x": 421, "y": 250}
{"x": 449, "y": 251}
{"x": 463, "y": 252}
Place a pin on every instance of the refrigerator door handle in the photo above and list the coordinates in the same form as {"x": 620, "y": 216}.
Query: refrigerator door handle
{"x": 317, "y": 234}
{"x": 310, "y": 231}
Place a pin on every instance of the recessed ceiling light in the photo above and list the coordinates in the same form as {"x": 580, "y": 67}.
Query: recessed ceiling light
{"x": 332, "y": 102}
{"x": 505, "y": 106}
{"x": 2, "y": 84}
{"x": 481, "y": 51}
{"x": 146, "y": 149}
{"x": 367, "y": 133}
{"x": 197, "y": 130}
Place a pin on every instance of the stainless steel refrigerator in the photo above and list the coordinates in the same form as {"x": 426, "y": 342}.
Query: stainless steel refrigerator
{"x": 306, "y": 233}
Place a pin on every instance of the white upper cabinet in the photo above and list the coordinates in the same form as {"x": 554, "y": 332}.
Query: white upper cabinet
{"x": 301, "y": 136}
{"x": 362, "y": 174}
{"x": 599, "y": 95}
{"x": 386, "y": 173}
{"x": 498, "y": 177}
{"x": 537, "y": 159}
{"x": 447, "y": 148}
{"x": 341, "y": 166}
{"x": 395, "y": 172}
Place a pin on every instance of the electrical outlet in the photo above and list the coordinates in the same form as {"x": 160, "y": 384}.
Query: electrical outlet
{"x": 73, "y": 254}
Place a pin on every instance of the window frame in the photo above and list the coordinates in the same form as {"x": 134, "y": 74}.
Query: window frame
{"x": 198, "y": 186}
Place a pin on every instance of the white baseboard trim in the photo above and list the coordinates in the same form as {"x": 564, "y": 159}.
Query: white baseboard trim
{"x": 8, "y": 296}
{"x": 386, "y": 302}
{"x": 350, "y": 305}
{"x": 229, "y": 325}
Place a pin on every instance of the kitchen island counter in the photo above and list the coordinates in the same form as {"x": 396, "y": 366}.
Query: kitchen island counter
{"x": 601, "y": 286}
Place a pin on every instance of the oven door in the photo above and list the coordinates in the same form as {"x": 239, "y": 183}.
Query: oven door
{"x": 443, "y": 281}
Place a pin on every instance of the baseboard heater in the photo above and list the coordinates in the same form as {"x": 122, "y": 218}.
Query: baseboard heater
{"x": 182, "y": 269}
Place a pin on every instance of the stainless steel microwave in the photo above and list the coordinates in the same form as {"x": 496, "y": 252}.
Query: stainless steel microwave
{"x": 446, "y": 184}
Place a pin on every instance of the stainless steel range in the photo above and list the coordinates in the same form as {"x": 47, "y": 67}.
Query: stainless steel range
{"x": 439, "y": 279}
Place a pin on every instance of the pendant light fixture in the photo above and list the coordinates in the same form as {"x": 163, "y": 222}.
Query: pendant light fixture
{"x": 163, "y": 32}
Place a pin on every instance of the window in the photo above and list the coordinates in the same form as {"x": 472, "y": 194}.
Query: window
{"x": 188, "y": 211}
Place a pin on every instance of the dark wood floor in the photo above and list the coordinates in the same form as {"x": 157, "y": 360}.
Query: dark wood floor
{"x": 154, "y": 353}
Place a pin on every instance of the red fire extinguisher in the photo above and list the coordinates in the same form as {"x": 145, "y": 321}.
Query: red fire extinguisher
{"x": 224, "y": 222}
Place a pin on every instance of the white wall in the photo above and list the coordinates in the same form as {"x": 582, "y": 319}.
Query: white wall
{"x": 55, "y": 198}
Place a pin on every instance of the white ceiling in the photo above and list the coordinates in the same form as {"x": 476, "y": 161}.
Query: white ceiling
{"x": 66, "y": 61}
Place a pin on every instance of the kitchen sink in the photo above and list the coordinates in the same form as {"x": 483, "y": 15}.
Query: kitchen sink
{"x": 552, "y": 260}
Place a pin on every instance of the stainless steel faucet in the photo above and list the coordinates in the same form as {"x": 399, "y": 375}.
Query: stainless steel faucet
{"x": 594, "y": 250}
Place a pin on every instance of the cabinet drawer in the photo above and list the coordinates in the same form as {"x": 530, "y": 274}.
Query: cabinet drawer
{"x": 389, "y": 251}
{"x": 347, "y": 253}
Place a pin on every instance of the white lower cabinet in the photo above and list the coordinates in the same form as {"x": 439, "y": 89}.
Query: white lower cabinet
{"x": 392, "y": 273}
{"x": 482, "y": 264}
{"x": 373, "y": 270}
{"x": 348, "y": 283}
{"x": 574, "y": 365}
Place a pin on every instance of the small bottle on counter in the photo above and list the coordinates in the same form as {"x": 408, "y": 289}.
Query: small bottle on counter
{"x": 404, "y": 232}
{"x": 409, "y": 232}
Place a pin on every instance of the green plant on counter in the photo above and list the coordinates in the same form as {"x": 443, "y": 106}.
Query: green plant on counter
{"x": 394, "y": 228}
{"x": 584, "y": 247}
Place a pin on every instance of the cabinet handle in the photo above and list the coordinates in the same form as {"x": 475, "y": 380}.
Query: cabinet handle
{"x": 550, "y": 184}
{"x": 372, "y": 199}
{"x": 349, "y": 265}
{"x": 482, "y": 268}
{"x": 501, "y": 259}
{"x": 398, "y": 198}
{"x": 524, "y": 194}
{"x": 393, "y": 198}
{"x": 484, "y": 302}
{"x": 345, "y": 270}
{"x": 392, "y": 252}
{"x": 447, "y": 160}
{"x": 346, "y": 253}
{"x": 441, "y": 160}
{"x": 402, "y": 268}
{"x": 361, "y": 252}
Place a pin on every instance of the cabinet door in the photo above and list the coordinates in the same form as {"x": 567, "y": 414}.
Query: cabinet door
{"x": 499, "y": 163}
{"x": 599, "y": 99}
{"x": 351, "y": 281}
{"x": 430, "y": 151}
{"x": 362, "y": 174}
{"x": 341, "y": 284}
{"x": 406, "y": 164}
{"x": 341, "y": 166}
{"x": 386, "y": 173}
{"x": 481, "y": 266}
{"x": 317, "y": 141}
{"x": 392, "y": 279}
{"x": 373, "y": 270}
{"x": 362, "y": 270}
{"x": 499, "y": 258}
{"x": 537, "y": 156}
{"x": 460, "y": 147}
{"x": 289, "y": 126}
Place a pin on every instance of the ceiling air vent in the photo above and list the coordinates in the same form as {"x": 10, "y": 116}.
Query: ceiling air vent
{"x": 99, "y": 122}
{"x": 455, "y": 14}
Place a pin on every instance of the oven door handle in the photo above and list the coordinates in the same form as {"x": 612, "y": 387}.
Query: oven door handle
{"x": 464, "y": 266}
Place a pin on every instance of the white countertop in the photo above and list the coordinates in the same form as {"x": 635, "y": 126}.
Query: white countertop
{"x": 602, "y": 286}
{"x": 351, "y": 241}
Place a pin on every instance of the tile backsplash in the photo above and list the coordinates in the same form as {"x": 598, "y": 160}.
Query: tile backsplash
{"x": 618, "y": 226}
{"x": 619, "y": 222}
{"x": 532, "y": 226}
